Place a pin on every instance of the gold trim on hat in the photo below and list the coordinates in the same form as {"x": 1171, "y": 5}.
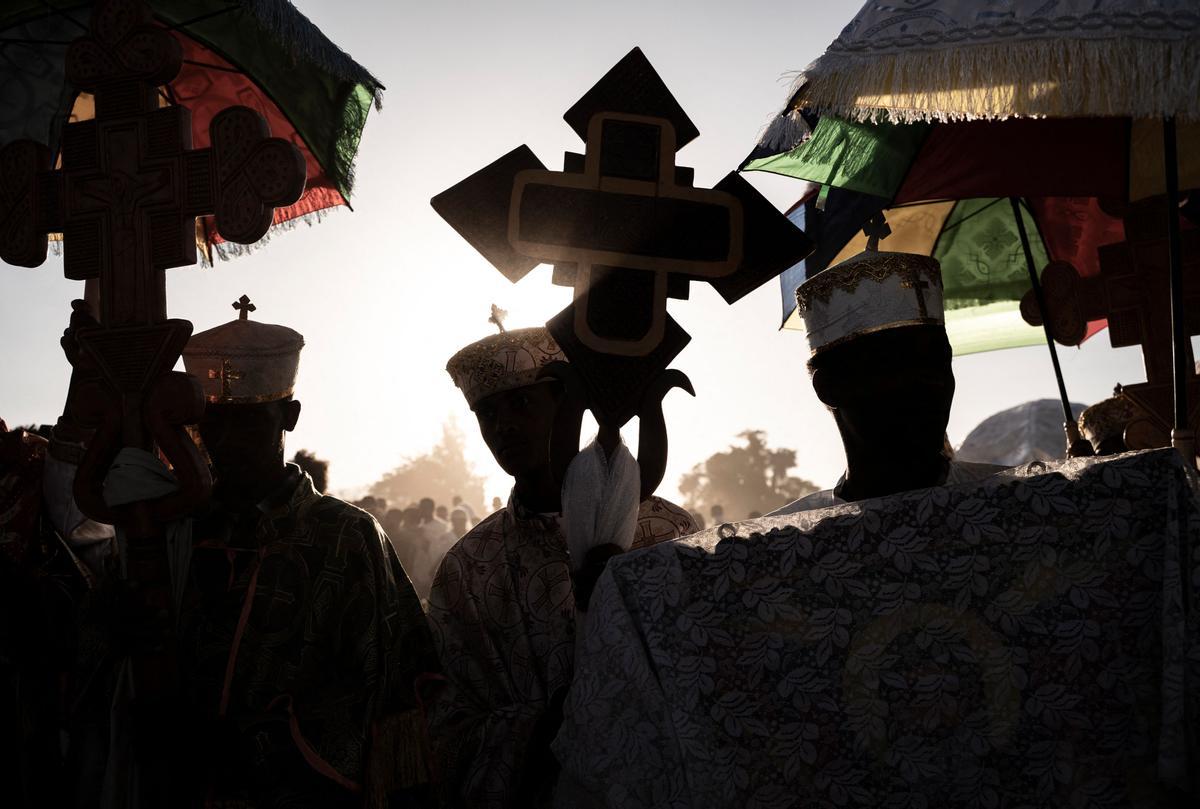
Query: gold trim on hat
{"x": 895, "y": 324}
{"x": 878, "y": 268}
{"x": 259, "y": 399}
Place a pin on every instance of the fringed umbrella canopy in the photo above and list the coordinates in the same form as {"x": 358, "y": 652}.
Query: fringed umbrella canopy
{"x": 263, "y": 54}
{"x": 961, "y": 59}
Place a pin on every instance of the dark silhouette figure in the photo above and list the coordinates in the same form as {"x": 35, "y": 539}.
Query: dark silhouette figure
{"x": 890, "y": 395}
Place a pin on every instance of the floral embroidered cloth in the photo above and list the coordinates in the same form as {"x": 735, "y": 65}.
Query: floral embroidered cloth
{"x": 502, "y": 612}
{"x": 1032, "y": 640}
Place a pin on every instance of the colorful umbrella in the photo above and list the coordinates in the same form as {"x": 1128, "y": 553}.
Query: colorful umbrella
{"x": 945, "y": 190}
{"x": 957, "y": 96}
{"x": 263, "y": 54}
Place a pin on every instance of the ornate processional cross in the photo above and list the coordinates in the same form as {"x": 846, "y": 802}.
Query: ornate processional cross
{"x": 126, "y": 199}
{"x": 623, "y": 225}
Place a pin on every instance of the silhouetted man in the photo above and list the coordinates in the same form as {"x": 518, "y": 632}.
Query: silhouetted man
{"x": 301, "y": 635}
{"x": 503, "y": 602}
{"x": 457, "y": 502}
{"x": 458, "y": 522}
{"x": 881, "y": 364}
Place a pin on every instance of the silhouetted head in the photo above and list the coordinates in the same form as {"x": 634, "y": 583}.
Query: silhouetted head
{"x": 246, "y": 370}
{"x": 442, "y": 513}
{"x": 516, "y": 425}
{"x": 245, "y": 443}
{"x": 458, "y": 521}
{"x": 412, "y": 518}
{"x": 890, "y": 391}
{"x": 425, "y": 507}
{"x": 501, "y": 378}
{"x": 717, "y": 513}
{"x": 392, "y": 521}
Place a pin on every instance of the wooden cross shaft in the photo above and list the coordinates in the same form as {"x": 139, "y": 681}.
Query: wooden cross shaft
{"x": 1132, "y": 292}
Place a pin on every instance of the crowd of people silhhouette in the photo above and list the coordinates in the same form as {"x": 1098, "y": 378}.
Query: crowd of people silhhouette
{"x": 306, "y": 651}
{"x": 190, "y": 620}
{"x": 421, "y": 532}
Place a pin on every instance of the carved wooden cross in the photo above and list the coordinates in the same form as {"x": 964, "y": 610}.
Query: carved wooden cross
{"x": 623, "y": 225}
{"x": 131, "y": 187}
{"x": 125, "y": 200}
{"x": 1133, "y": 292}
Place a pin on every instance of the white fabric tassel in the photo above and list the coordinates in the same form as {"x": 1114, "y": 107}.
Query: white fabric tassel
{"x": 600, "y": 500}
{"x": 1067, "y": 77}
{"x": 786, "y": 131}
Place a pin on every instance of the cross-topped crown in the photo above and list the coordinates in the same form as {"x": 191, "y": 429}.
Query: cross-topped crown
{"x": 244, "y": 307}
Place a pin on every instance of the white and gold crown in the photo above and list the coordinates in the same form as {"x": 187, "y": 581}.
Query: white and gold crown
{"x": 244, "y": 361}
{"x": 867, "y": 293}
{"x": 499, "y": 362}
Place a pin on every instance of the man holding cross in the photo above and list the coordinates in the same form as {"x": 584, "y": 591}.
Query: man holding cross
{"x": 301, "y": 635}
{"x": 881, "y": 364}
{"x": 503, "y": 605}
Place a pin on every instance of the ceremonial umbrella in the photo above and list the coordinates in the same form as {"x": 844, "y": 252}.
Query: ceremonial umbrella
{"x": 262, "y": 54}
{"x": 1066, "y": 105}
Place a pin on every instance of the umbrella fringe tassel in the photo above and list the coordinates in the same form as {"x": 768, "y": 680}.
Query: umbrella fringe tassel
{"x": 1122, "y": 77}
{"x": 229, "y": 250}
{"x": 304, "y": 40}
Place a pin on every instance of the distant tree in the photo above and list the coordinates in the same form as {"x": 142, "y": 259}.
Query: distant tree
{"x": 441, "y": 473}
{"x": 744, "y": 479}
{"x": 316, "y": 468}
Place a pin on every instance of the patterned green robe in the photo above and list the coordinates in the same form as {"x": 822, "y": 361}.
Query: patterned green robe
{"x": 301, "y": 642}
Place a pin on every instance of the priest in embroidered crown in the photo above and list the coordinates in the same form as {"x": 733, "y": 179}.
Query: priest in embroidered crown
{"x": 503, "y": 605}
{"x": 301, "y": 636}
{"x": 880, "y": 361}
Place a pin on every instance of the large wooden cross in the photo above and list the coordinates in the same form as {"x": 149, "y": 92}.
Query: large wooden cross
{"x": 126, "y": 200}
{"x": 625, "y": 227}
{"x": 1132, "y": 292}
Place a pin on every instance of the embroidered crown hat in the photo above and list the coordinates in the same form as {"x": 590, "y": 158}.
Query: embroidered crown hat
{"x": 499, "y": 362}
{"x": 244, "y": 361}
{"x": 867, "y": 293}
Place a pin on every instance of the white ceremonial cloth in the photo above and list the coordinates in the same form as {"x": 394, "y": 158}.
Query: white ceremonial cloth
{"x": 600, "y": 500}
{"x": 945, "y": 645}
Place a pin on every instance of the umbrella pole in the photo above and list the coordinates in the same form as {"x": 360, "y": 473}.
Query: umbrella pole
{"x": 1182, "y": 437}
{"x": 1076, "y": 446}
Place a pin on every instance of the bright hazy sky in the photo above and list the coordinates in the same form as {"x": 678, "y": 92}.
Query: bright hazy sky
{"x": 386, "y": 293}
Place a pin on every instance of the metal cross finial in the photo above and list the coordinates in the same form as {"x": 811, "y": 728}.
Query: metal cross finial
{"x": 227, "y": 374}
{"x": 497, "y": 318}
{"x": 876, "y": 229}
{"x": 244, "y": 306}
